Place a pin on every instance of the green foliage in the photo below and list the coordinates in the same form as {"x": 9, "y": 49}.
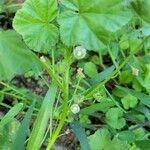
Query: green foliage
{"x": 114, "y": 118}
{"x": 15, "y": 57}
{"x": 34, "y": 22}
{"x": 11, "y": 114}
{"x": 100, "y": 139}
{"x": 90, "y": 69}
{"x": 129, "y": 101}
{"x": 40, "y": 125}
{"x": 96, "y": 54}
{"x": 7, "y": 134}
{"x": 94, "y": 21}
{"x": 80, "y": 133}
{"x": 21, "y": 134}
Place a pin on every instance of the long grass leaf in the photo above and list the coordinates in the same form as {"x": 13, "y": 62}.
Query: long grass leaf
{"x": 41, "y": 122}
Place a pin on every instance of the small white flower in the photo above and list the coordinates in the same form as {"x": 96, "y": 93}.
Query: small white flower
{"x": 79, "y": 52}
{"x": 42, "y": 58}
{"x": 67, "y": 131}
{"x": 75, "y": 108}
{"x": 135, "y": 71}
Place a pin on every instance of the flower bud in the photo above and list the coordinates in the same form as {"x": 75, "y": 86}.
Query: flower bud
{"x": 135, "y": 71}
{"x": 75, "y": 108}
{"x": 42, "y": 58}
{"x": 79, "y": 52}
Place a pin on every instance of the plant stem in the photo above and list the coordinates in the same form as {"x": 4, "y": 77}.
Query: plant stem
{"x": 65, "y": 109}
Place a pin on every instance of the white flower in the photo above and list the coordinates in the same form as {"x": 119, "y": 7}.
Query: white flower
{"x": 42, "y": 58}
{"x": 75, "y": 108}
{"x": 135, "y": 71}
{"x": 79, "y": 52}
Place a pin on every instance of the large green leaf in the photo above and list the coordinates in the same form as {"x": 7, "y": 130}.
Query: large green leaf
{"x": 15, "y": 57}
{"x": 90, "y": 24}
{"x": 33, "y": 23}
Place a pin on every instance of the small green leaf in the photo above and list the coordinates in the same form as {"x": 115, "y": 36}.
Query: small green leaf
{"x": 126, "y": 136}
{"x": 90, "y": 69}
{"x": 129, "y": 101}
{"x": 114, "y": 118}
{"x": 80, "y": 134}
{"x": 33, "y": 22}
{"x": 145, "y": 99}
{"x": 11, "y": 114}
{"x": 126, "y": 77}
{"x": 41, "y": 122}
{"x": 100, "y": 139}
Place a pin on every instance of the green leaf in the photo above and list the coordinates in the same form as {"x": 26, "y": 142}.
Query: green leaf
{"x": 11, "y": 114}
{"x": 33, "y": 22}
{"x": 145, "y": 99}
{"x": 143, "y": 144}
{"x": 7, "y": 134}
{"x": 15, "y": 57}
{"x": 114, "y": 118}
{"x": 80, "y": 134}
{"x": 117, "y": 144}
{"x": 91, "y": 25}
{"x": 126, "y": 77}
{"x": 129, "y": 101}
{"x": 126, "y": 136}
{"x": 41, "y": 122}
{"x": 101, "y": 76}
{"x": 145, "y": 111}
{"x": 90, "y": 69}
{"x": 141, "y": 7}
{"x": 103, "y": 106}
{"x": 21, "y": 135}
{"x": 100, "y": 139}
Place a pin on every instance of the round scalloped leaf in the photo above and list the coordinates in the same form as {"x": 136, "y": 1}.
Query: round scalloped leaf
{"x": 33, "y": 23}
{"x": 91, "y": 24}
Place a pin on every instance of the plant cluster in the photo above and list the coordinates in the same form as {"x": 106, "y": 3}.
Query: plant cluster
{"x": 89, "y": 62}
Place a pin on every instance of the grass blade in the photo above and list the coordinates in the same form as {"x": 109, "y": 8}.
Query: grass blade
{"x": 101, "y": 76}
{"x": 103, "y": 106}
{"x": 80, "y": 134}
{"x": 41, "y": 122}
{"x": 21, "y": 134}
{"x": 11, "y": 114}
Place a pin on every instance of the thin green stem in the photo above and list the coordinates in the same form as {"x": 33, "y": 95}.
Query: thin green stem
{"x": 65, "y": 109}
{"x": 15, "y": 96}
{"x": 88, "y": 94}
{"x": 116, "y": 103}
{"x": 76, "y": 88}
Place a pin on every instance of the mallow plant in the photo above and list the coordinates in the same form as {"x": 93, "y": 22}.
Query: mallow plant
{"x": 69, "y": 40}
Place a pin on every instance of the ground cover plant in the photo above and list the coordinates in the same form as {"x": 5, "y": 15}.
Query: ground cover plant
{"x": 75, "y": 74}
